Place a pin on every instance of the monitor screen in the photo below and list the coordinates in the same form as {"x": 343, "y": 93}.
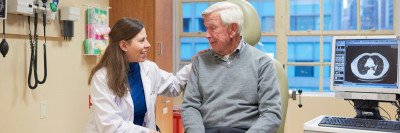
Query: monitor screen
{"x": 365, "y": 64}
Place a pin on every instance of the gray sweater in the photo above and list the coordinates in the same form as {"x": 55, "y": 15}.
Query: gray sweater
{"x": 241, "y": 92}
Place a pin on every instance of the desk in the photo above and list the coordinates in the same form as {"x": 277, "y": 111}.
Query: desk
{"x": 312, "y": 127}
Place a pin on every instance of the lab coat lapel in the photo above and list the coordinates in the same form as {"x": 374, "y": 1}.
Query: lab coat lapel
{"x": 128, "y": 98}
{"x": 144, "y": 71}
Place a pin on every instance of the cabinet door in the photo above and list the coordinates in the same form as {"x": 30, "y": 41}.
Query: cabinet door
{"x": 164, "y": 114}
{"x": 143, "y": 10}
{"x": 164, "y": 59}
{"x": 164, "y": 35}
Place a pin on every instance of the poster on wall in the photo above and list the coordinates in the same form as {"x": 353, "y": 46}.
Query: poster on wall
{"x": 3, "y": 9}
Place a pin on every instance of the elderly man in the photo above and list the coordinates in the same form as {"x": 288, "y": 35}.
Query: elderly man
{"x": 232, "y": 87}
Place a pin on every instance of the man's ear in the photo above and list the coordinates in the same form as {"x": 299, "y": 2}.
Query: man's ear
{"x": 123, "y": 45}
{"x": 233, "y": 29}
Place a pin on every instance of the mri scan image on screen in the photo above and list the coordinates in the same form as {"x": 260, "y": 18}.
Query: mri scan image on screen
{"x": 365, "y": 64}
{"x": 371, "y": 64}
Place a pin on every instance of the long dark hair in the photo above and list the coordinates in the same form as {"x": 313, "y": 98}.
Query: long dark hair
{"x": 114, "y": 59}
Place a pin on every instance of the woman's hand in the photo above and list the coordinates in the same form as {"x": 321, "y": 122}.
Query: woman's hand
{"x": 153, "y": 131}
{"x": 200, "y": 52}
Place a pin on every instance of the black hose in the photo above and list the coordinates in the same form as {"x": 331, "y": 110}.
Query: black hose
{"x": 34, "y": 44}
{"x": 44, "y": 50}
{"x": 31, "y": 62}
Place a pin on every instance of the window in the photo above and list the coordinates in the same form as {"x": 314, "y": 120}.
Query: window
{"x": 375, "y": 14}
{"x": 340, "y": 15}
{"x": 302, "y": 37}
{"x": 326, "y": 81}
{"x": 267, "y": 45}
{"x": 304, "y": 77}
{"x": 309, "y": 53}
{"x": 303, "y": 49}
{"x": 186, "y": 24}
{"x": 266, "y": 11}
{"x": 327, "y": 49}
{"x": 304, "y": 71}
{"x": 191, "y": 13}
{"x": 191, "y": 45}
{"x": 304, "y": 15}
{"x": 193, "y": 30}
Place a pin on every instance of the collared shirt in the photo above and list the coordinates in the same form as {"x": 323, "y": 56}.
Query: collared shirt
{"x": 230, "y": 57}
{"x": 237, "y": 48}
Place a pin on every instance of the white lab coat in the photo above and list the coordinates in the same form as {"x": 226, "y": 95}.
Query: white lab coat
{"x": 111, "y": 114}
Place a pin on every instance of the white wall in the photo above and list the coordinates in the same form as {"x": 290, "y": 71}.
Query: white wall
{"x": 66, "y": 89}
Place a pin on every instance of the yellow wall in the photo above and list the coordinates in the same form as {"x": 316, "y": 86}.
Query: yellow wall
{"x": 66, "y": 89}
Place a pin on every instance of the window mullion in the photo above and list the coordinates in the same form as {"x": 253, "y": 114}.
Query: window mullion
{"x": 282, "y": 27}
{"x": 303, "y": 63}
{"x": 321, "y": 59}
{"x": 321, "y": 16}
{"x": 321, "y": 44}
{"x": 358, "y": 16}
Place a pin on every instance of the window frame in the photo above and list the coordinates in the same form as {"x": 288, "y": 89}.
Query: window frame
{"x": 282, "y": 32}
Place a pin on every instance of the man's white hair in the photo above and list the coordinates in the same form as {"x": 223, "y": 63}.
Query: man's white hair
{"x": 229, "y": 13}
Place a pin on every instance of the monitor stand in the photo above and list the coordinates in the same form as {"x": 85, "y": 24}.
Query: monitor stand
{"x": 367, "y": 109}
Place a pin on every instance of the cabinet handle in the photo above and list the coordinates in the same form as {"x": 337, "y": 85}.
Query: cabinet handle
{"x": 166, "y": 101}
{"x": 160, "y": 45}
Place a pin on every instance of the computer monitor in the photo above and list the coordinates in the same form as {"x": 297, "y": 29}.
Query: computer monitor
{"x": 365, "y": 69}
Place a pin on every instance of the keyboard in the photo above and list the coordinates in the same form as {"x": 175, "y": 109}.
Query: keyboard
{"x": 361, "y": 124}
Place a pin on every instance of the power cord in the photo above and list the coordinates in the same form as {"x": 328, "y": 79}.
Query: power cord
{"x": 386, "y": 113}
{"x": 397, "y": 104}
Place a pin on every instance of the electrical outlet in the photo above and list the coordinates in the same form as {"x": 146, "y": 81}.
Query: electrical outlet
{"x": 43, "y": 109}
{"x": 165, "y": 110}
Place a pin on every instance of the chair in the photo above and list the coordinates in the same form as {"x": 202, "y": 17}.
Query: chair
{"x": 283, "y": 88}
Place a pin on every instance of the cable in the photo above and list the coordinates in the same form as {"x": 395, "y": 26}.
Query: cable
{"x": 397, "y": 104}
{"x": 386, "y": 113}
{"x": 365, "y": 103}
{"x": 350, "y": 103}
{"x": 385, "y": 118}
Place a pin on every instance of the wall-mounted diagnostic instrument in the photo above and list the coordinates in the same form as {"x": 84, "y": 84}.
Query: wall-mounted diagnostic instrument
{"x": 42, "y": 8}
{"x": 3, "y": 15}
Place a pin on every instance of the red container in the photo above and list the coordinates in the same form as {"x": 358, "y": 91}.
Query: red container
{"x": 178, "y": 125}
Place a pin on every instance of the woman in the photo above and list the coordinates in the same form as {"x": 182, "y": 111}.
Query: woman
{"x": 125, "y": 85}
